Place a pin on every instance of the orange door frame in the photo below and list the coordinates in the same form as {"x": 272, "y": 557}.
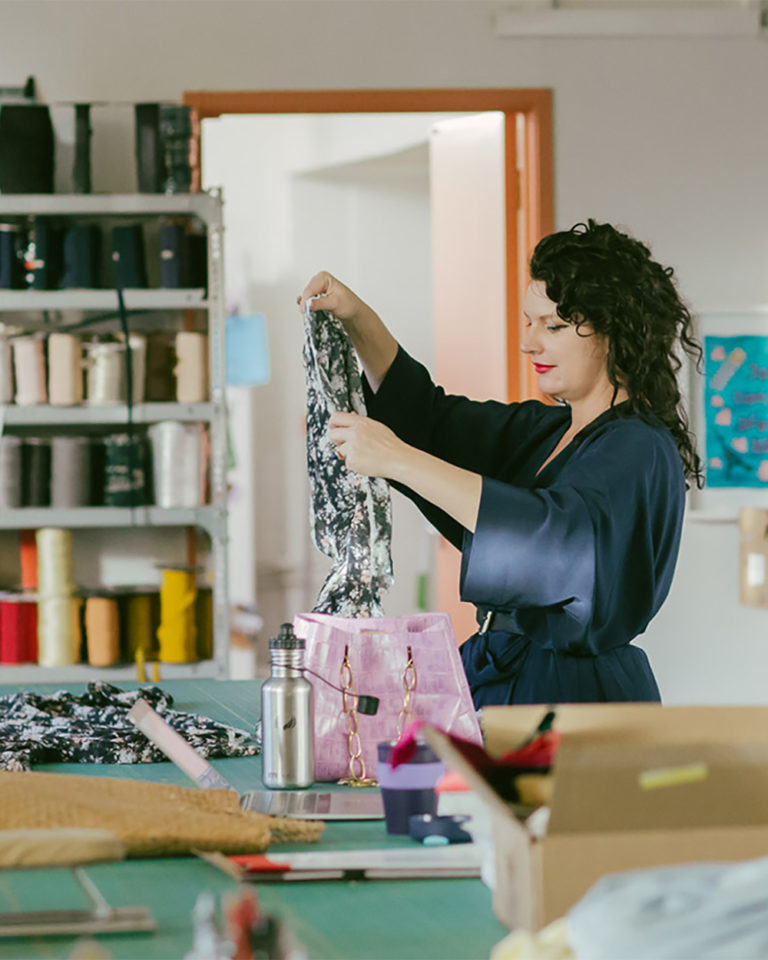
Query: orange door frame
{"x": 533, "y": 192}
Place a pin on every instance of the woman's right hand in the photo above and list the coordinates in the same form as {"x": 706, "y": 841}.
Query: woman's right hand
{"x": 375, "y": 345}
{"x": 335, "y": 297}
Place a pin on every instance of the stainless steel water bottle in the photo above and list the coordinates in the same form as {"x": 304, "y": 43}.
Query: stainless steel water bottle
{"x": 287, "y": 716}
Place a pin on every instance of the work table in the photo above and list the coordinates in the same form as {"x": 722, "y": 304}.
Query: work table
{"x": 334, "y": 920}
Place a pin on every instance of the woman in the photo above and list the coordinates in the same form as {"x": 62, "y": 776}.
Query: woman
{"x": 568, "y": 516}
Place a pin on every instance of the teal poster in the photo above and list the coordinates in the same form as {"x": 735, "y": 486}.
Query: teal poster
{"x": 736, "y": 411}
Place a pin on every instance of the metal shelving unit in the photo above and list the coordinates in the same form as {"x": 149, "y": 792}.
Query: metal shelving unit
{"x": 15, "y": 309}
{"x": 30, "y": 518}
{"x": 100, "y": 205}
{"x": 47, "y": 415}
{"x": 82, "y": 672}
{"x": 24, "y": 301}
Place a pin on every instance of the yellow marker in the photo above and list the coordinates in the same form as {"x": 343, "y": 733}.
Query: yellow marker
{"x": 673, "y": 776}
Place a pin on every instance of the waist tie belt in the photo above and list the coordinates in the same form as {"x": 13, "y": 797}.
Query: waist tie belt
{"x": 496, "y": 620}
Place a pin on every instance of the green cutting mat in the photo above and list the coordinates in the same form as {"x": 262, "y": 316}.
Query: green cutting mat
{"x": 334, "y": 920}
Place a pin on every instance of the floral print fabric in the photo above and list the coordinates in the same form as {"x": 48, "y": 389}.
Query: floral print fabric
{"x": 350, "y": 515}
{"x": 94, "y": 728}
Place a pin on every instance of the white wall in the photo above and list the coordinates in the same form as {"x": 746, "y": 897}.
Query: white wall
{"x": 666, "y": 136}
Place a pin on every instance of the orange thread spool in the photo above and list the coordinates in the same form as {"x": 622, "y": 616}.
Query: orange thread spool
{"x": 102, "y": 630}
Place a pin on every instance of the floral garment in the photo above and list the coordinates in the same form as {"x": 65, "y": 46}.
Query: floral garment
{"x": 94, "y": 728}
{"x": 350, "y": 515}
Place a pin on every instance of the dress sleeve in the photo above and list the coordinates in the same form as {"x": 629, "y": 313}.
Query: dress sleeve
{"x": 473, "y": 434}
{"x": 586, "y": 562}
{"x": 481, "y": 436}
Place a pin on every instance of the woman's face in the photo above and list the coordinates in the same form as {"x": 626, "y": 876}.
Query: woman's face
{"x": 570, "y": 362}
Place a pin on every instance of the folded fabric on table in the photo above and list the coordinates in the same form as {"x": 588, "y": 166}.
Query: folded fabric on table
{"x": 94, "y": 728}
{"x": 151, "y": 819}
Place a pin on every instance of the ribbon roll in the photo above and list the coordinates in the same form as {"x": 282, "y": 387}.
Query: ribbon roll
{"x": 177, "y": 632}
{"x": 29, "y": 366}
{"x": 124, "y": 466}
{"x": 139, "y": 624}
{"x": 102, "y": 631}
{"x": 70, "y": 472}
{"x": 105, "y": 366}
{"x": 36, "y": 472}
{"x": 178, "y": 465}
{"x": 191, "y": 367}
{"x": 6, "y": 371}
{"x": 65, "y": 369}
{"x": 10, "y": 472}
{"x": 55, "y": 577}
{"x": 18, "y": 630}
{"x": 58, "y": 631}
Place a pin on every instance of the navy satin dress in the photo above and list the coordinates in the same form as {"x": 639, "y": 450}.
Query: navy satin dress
{"x": 580, "y": 555}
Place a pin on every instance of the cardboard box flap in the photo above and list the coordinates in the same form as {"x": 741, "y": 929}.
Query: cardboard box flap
{"x": 504, "y": 728}
{"x": 643, "y": 766}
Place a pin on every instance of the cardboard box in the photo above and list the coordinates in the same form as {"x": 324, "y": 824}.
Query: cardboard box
{"x": 636, "y": 785}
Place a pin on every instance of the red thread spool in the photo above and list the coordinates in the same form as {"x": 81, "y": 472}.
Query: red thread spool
{"x": 18, "y": 631}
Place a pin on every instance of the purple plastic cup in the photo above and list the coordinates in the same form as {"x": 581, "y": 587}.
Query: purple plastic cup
{"x": 410, "y": 789}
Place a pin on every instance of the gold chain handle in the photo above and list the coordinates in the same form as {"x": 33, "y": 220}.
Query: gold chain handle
{"x": 409, "y": 685}
{"x": 357, "y": 777}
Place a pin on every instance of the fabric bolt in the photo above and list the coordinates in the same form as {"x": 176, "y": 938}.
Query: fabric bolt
{"x": 350, "y": 515}
{"x": 94, "y": 728}
{"x": 579, "y": 555}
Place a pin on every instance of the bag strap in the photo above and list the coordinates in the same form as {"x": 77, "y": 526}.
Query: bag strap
{"x": 357, "y": 777}
{"x": 357, "y": 771}
{"x": 409, "y": 685}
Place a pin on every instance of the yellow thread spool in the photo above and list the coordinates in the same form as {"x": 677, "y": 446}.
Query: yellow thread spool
{"x": 138, "y": 625}
{"x": 141, "y": 673}
{"x": 102, "y": 629}
{"x": 177, "y": 632}
{"x": 204, "y": 616}
{"x": 77, "y": 627}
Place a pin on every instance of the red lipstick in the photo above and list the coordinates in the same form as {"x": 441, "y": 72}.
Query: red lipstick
{"x": 543, "y": 367}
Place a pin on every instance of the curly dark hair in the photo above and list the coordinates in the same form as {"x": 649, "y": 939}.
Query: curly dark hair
{"x": 598, "y": 275}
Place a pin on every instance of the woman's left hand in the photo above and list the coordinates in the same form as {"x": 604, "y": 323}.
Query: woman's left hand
{"x": 365, "y": 445}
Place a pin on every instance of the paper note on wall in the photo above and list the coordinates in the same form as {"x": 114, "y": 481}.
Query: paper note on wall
{"x": 755, "y": 569}
{"x": 753, "y": 556}
{"x": 247, "y": 350}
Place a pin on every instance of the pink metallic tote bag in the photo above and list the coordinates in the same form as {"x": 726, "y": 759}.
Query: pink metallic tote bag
{"x": 411, "y": 664}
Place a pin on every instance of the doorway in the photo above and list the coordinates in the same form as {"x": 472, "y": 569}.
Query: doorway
{"x": 526, "y": 182}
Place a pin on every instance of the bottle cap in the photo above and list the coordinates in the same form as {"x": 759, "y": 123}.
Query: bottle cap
{"x": 286, "y": 639}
